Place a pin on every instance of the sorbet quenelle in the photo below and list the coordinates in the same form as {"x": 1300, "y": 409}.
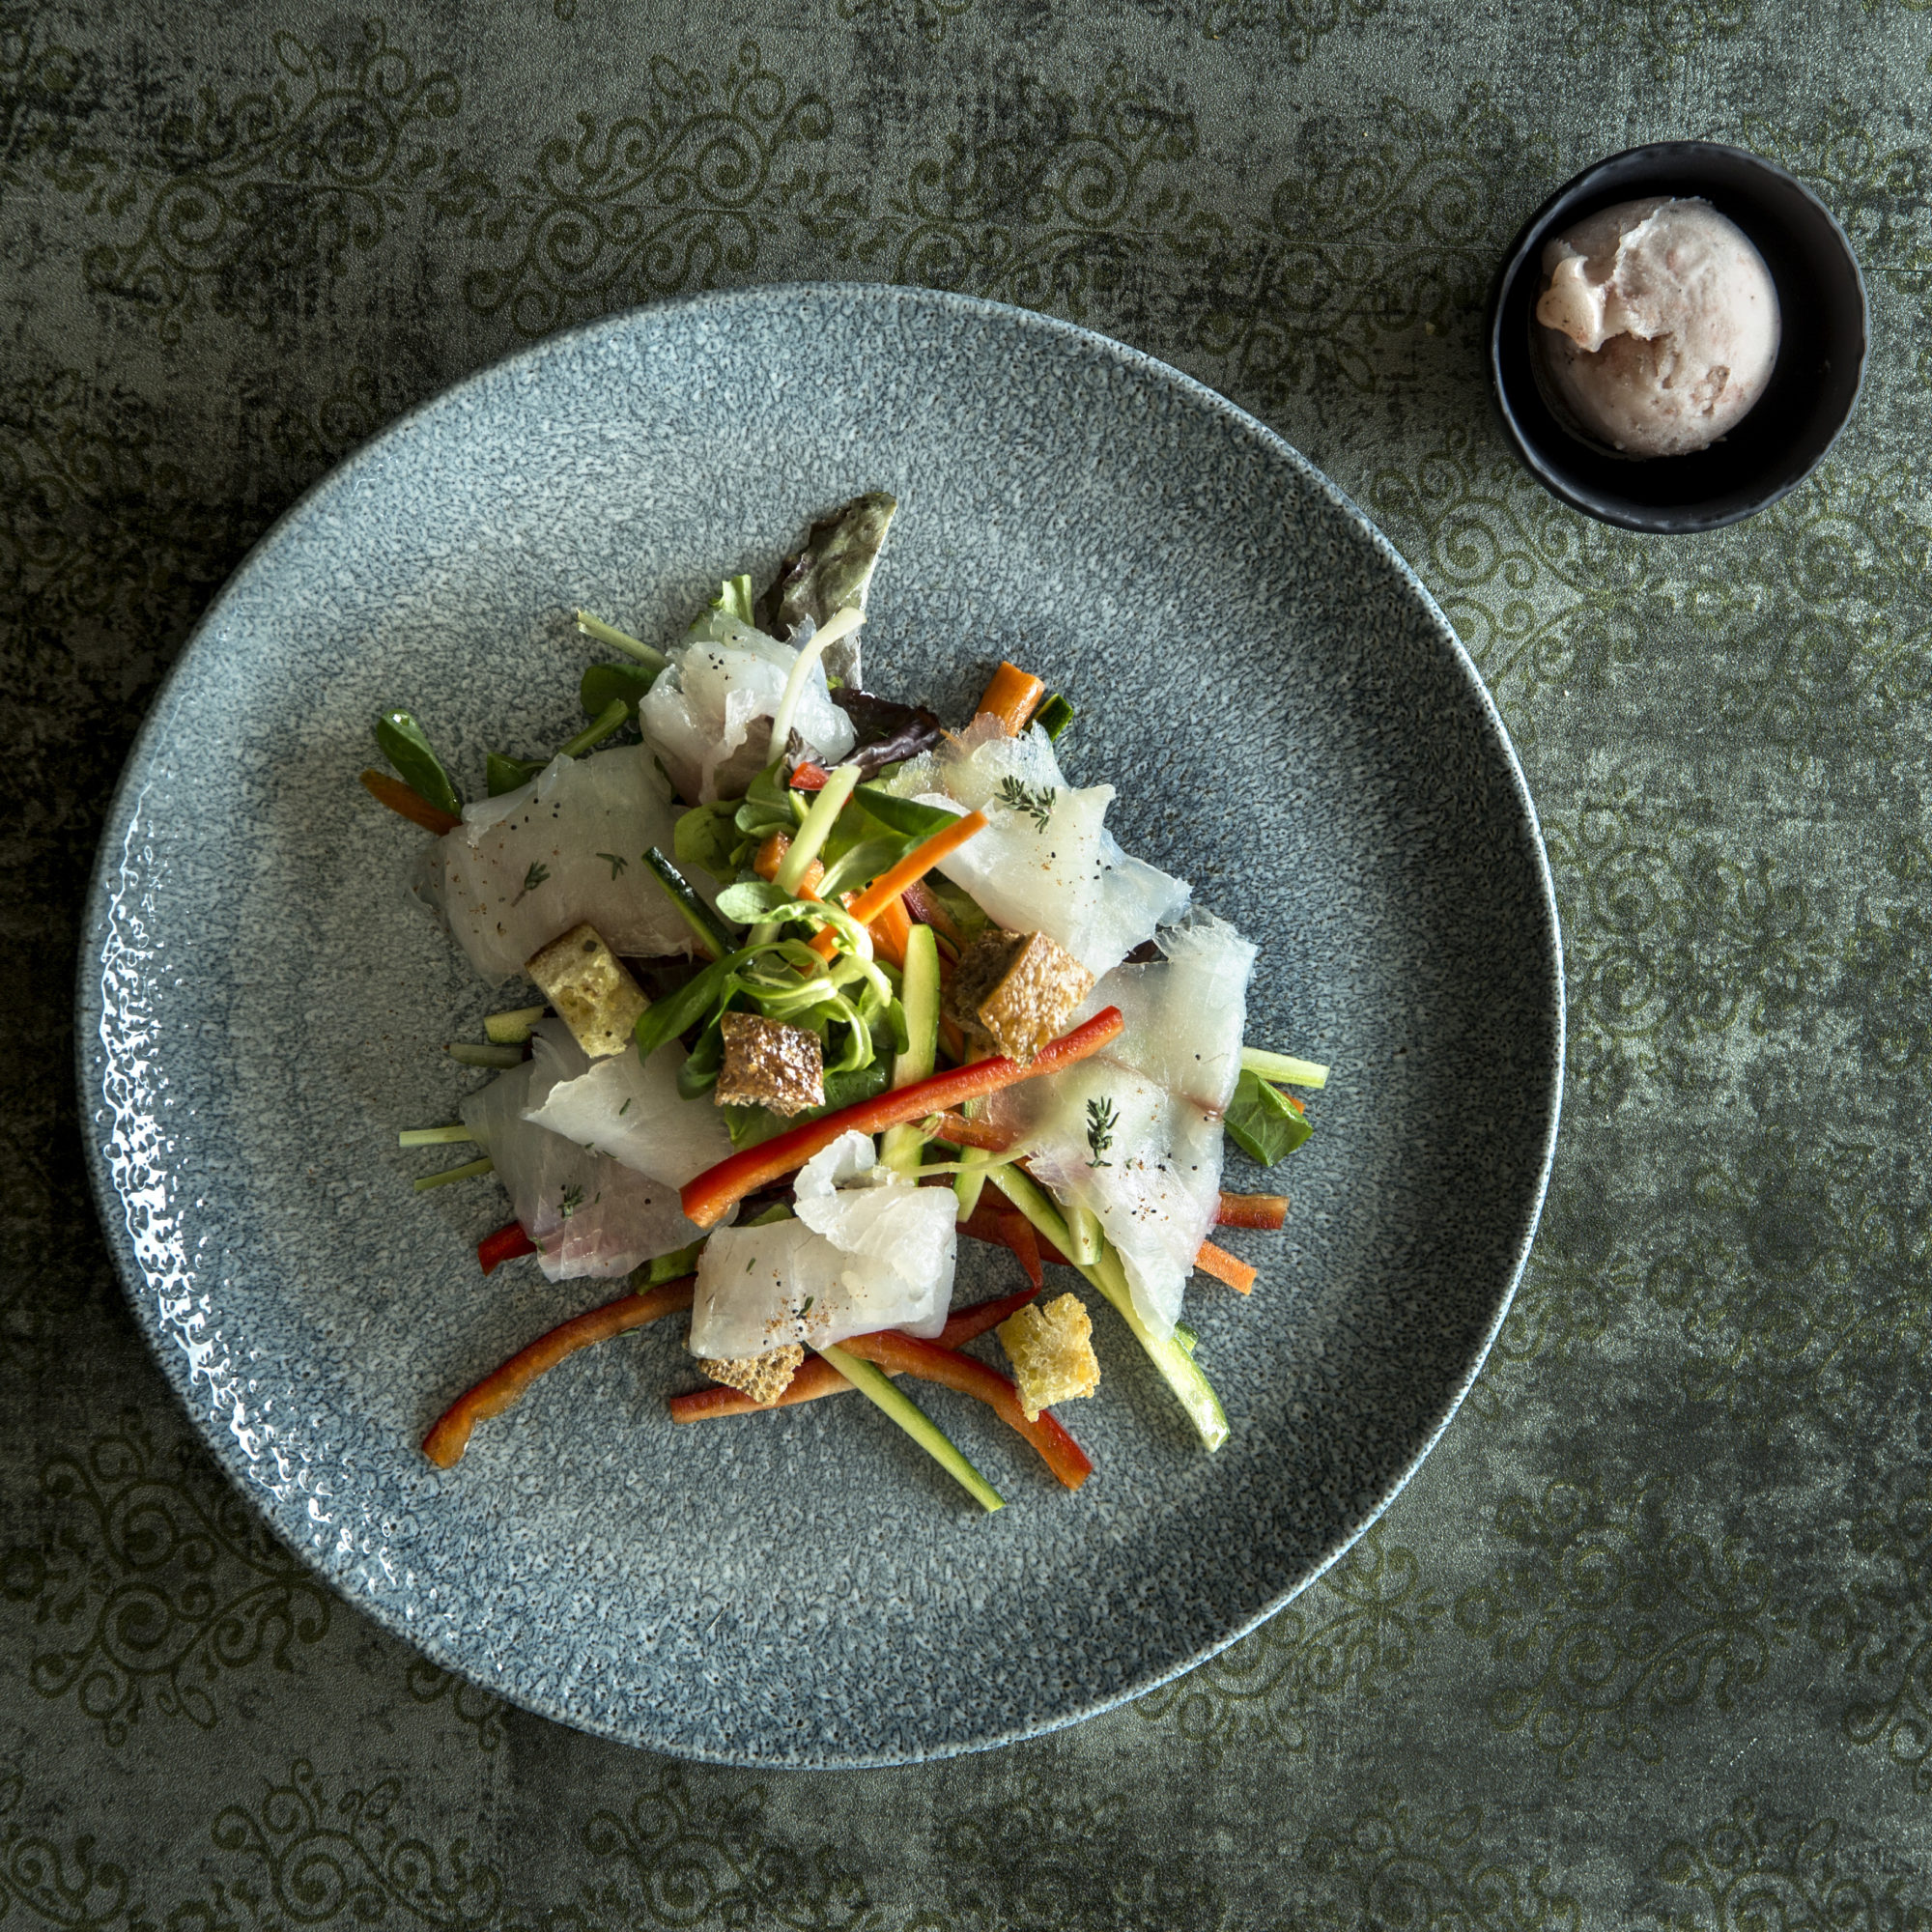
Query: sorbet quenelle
{"x": 1658, "y": 324}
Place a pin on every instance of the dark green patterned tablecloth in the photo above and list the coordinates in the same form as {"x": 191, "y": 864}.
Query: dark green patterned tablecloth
{"x": 1650, "y": 1637}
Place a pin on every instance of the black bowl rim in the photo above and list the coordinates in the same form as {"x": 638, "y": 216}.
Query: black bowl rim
{"x": 1677, "y": 519}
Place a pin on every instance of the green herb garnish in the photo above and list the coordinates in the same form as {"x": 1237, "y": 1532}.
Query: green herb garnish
{"x": 1036, "y": 802}
{"x": 617, "y": 863}
{"x": 1101, "y": 1120}
{"x": 533, "y": 879}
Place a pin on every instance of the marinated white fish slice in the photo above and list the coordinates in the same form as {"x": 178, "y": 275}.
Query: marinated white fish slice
{"x": 1046, "y": 862}
{"x": 1184, "y": 1015}
{"x": 627, "y": 1108}
{"x": 708, "y": 716}
{"x": 1134, "y": 1134}
{"x": 565, "y": 849}
{"x": 587, "y": 1214}
{"x": 856, "y": 1258}
{"x": 1145, "y": 1163}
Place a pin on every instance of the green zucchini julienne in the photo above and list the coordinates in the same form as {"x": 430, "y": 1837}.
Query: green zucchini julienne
{"x": 1054, "y": 715}
{"x": 692, "y": 909}
{"x": 919, "y": 998}
{"x": 464, "y": 1053}
{"x": 1282, "y": 1066}
{"x": 1177, "y": 1366}
{"x": 469, "y": 1172}
{"x": 449, "y": 1136}
{"x": 622, "y": 640}
{"x": 402, "y": 741}
{"x": 871, "y": 1381}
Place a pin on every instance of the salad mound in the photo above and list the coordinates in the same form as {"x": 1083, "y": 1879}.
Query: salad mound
{"x": 826, "y": 986}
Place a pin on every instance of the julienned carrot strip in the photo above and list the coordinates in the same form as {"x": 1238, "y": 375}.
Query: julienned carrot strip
{"x": 1252, "y": 1211}
{"x": 408, "y": 802}
{"x": 502, "y": 1387}
{"x": 900, "y": 1354}
{"x": 816, "y": 1376}
{"x": 504, "y": 1245}
{"x": 765, "y": 861}
{"x": 1013, "y": 695}
{"x": 706, "y": 1198}
{"x": 916, "y": 864}
{"x": 1224, "y": 1266}
{"x": 891, "y": 929}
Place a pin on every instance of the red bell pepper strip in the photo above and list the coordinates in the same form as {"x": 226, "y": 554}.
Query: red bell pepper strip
{"x": 808, "y": 776}
{"x": 504, "y": 1245}
{"x": 1252, "y": 1211}
{"x": 1006, "y": 1230}
{"x": 503, "y": 1387}
{"x": 903, "y": 1356}
{"x": 707, "y": 1198}
{"x": 924, "y": 904}
{"x": 409, "y": 802}
{"x": 816, "y": 1376}
{"x": 956, "y": 1130}
{"x": 1224, "y": 1266}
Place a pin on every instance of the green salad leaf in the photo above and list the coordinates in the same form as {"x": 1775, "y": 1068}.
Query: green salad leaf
{"x": 903, "y": 815}
{"x": 404, "y": 743}
{"x": 1260, "y": 1121}
{"x": 606, "y": 684}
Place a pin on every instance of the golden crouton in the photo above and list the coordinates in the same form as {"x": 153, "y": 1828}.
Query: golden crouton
{"x": 591, "y": 990}
{"x": 768, "y": 1064}
{"x": 1018, "y": 988}
{"x": 763, "y": 1378}
{"x": 1052, "y": 1352}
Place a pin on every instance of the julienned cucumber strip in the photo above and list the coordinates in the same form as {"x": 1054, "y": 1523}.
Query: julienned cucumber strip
{"x": 1282, "y": 1066}
{"x": 692, "y": 909}
{"x": 918, "y": 997}
{"x": 608, "y": 634}
{"x": 1176, "y": 1365}
{"x": 873, "y": 1381}
{"x": 513, "y": 1028}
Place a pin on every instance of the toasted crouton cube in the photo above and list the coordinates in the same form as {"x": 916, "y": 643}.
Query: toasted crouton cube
{"x": 768, "y": 1064}
{"x": 1018, "y": 988}
{"x": 763, "y": 1378}
{"x": 591, "y": 990}
{"x": 1052, "y": 1352}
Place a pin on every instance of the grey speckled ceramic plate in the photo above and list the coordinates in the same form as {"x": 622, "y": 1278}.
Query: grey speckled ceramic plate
{"x": 1291, "y": 725}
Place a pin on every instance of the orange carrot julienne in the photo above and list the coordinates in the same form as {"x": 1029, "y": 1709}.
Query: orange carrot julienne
{"x": 409, "y": 802}
{"x": 1227, "y": 1267}
{"x": 816, "y": 1376}
{"x": 1252, "y": 1211}
{"x": 916, "y": 864}
{"x": 891, "y": 930}
{"x": 1013, "y": 695}
{"x": 770, "y": 855}
{"x": 706, "y": 1197}
{"x": 504, "y": 1387}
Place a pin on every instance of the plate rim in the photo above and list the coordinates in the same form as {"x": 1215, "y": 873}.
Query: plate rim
{"x": 132, "y": 783}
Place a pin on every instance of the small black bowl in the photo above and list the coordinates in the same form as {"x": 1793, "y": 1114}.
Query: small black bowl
{"x": 1821, "y": 357}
